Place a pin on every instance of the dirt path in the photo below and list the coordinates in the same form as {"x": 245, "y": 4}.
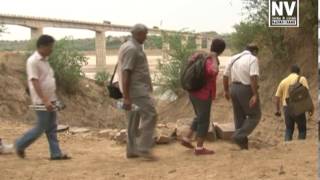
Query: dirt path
{"x": 100, "y": 159}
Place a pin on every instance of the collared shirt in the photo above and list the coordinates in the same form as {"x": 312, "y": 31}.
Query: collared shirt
{"x": 132, "y": 58}
{"x": 283, "y": 88}
{"x": 241, "y": 69}
{"x": 39, "y": 68}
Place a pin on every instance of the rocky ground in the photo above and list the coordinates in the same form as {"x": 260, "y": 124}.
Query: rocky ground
{"x": 98, "y": 150}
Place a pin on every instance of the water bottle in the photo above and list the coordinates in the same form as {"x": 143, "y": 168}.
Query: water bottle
{"x": 119, "y": 105}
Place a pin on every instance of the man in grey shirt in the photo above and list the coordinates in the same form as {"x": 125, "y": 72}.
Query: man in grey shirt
{"x": 136, "y": 86}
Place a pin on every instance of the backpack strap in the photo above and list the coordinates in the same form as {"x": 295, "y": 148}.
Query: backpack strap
{"x": 298, "y": 80}
{"x": 236, "y": 59}
{"x": 114, "y": 72}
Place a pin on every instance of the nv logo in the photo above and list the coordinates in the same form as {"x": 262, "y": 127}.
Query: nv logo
{"x": 283, "y": 13}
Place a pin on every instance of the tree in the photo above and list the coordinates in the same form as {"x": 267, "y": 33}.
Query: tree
{"x": 170, "y": 67}
{"x": 66, "y": 62}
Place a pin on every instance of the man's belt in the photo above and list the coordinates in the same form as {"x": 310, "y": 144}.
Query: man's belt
{"x": 57, "y": 106}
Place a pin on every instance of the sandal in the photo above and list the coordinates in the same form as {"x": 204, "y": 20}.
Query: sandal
{"x": 186, "y": 144}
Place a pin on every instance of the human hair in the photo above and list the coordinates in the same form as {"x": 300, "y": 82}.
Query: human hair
{"x": 139, "y": 28}
{"x": 295, "y": 69}
{"x": 45, "y": 40}
{"x": 218, "y": 45}
{"x": 252, "y": 48}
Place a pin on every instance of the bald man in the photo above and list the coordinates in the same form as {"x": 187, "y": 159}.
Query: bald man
{"x": 136, "y": 87}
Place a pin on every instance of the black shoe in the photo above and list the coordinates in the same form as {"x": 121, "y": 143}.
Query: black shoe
{"x": 61, "y": 157}
{"x": 21, "y": 154}
{"x": 242, "y": 143}
{"x": 131, "y": 156}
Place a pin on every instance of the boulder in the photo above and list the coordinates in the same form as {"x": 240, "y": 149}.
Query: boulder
{"x": 212, "y": 134}
{"x": 163, "y": 139}
{"x": 121, "y": 137}
{"x": 224, "y": 131}
{"x": 76, "y": 130}
{"x": 107, "y": 133}
{"x": 182, "y": 127}
{"x": 62, "y": 128}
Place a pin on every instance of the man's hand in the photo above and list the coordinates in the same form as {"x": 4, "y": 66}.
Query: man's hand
{"x": 253, "y": 101}
{"x": 49, "y": 106}
{"x": 227, "y": 95}
{"x": 127, "y": 104}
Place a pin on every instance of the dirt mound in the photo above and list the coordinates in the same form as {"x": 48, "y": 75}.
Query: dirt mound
{"x": 90, "y": 106}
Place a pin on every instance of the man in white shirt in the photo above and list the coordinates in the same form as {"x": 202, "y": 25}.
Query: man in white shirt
{"x": 243, "y": 70}
{"x": 42, "y": 87}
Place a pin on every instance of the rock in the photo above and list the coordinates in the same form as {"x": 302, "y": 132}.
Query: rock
{"x": 212, "y": 134}
{"x": 6, "y": 148}
{"x": 113, "y": 134}
{"x": 62, "y": 128}
{"x": 224, "y": 131}
{"x": 184, "y": 121}
{"x": 182, "y": 131}
{"x": 182, "y": 127}
{"x": 76, "y": 130}
{"x": 172, "y": 171}
{"x": 168, "y": 96}
{"x": 163, "y": 139}
{"x": 121, "y": 137}
{"x": 107, "y": 133}
{"x": 161, "y": 126}
{"x": 171, "y": 125}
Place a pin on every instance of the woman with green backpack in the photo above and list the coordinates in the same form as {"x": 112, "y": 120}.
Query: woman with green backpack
{"x": 201, "y": 94}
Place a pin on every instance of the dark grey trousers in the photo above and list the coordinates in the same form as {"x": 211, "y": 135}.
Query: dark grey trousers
{"x": 141, "y": 125}
{"x": 290, "y": 120}
{"x": 246, "y": 119}
{"x": 201, "y": 122}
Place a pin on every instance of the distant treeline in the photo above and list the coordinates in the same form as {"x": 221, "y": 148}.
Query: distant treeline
{"x": 152, "y": 42}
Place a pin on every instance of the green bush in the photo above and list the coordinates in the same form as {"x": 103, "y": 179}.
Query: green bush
{"x": 170, "y": 67}
{"x": 66, "y": 63}
{"x": 102, "y": 78}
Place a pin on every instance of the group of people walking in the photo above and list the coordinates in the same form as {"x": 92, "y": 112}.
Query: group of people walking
{"x": 240, "y": 82}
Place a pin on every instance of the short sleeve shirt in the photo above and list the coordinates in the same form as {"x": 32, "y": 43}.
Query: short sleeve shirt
{"x": 39, "y": 68}
{"x": 133, "y": 59}
{"x": 283, "y": 88}
{"x": 241, "y": 67}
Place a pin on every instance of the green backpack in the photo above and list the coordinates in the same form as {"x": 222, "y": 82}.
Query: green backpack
{"x": 299, "y": 100}
{"x": 193, "y": 76}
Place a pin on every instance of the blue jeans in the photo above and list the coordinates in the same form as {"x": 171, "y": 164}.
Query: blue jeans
{"x": 46, "y": 122}
{"x": 290, "y": 123}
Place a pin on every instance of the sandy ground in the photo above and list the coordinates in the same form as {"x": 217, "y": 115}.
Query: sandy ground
{"x": 98, "y": 158}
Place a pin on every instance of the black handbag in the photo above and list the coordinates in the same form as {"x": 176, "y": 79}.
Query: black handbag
{"x": 113, "y": 88}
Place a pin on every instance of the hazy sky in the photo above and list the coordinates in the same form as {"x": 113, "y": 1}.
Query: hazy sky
{"x": 197, "y": 15}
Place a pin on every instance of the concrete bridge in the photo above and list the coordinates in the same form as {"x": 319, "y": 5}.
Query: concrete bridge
{"x": 36, "y": 24}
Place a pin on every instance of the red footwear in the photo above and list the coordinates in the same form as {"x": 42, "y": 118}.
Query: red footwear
{"x": 186, "y": 144}
{"x": 203, "y": 151}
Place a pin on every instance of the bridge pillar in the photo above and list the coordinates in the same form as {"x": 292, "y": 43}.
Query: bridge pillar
{"x": 199, "y": 42}
{"x": 36, "y": 32}
{"x": 100, "y": 50}
{"x": 209, "y": 41}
